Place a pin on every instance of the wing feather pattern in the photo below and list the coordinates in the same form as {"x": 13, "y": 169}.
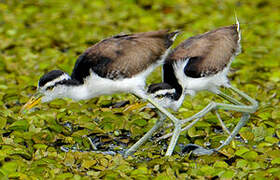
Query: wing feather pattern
{"x": 123, "y": 56}
{"x": 208, "y": 53}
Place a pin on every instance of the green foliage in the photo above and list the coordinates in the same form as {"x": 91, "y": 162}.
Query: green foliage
{"x": 38, "y": 36}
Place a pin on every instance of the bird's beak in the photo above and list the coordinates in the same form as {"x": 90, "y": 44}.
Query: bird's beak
{"x": 33, "y": 101}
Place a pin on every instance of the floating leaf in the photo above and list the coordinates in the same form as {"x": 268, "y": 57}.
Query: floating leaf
{"x": 250, "y": 155}
{"x": 19, "y": 125}
{"x": 241, "y": 151}
{"x": 241, "y": 163}
{"x": 88, "y": 163}
{"x": 228, "y": 174}
{"x": 140, "y": 122}
{"x": 275, "y": 161}
{"x": 220, "y": 164}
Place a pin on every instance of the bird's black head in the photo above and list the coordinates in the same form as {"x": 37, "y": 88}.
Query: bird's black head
{"x": 161, "y": 89}
{"x": 162, "y": 92}
{"x": 54, "y": 84}
{"x": 166, "y": 95}
{"x": 54, "y": 78}
{"x": 50, "y": 76}
{"x": 50, "y": 86}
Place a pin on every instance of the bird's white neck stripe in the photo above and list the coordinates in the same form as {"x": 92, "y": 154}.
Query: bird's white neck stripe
{"x": 164, "y": 91}
{"x": 60, "y": 78}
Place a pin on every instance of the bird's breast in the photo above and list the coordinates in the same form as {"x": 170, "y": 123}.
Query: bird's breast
{"x": 97, "y": 85}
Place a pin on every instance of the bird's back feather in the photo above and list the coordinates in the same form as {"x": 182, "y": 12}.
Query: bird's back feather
{"x": 123, "y": 56}
{"x": 208, "y": 53}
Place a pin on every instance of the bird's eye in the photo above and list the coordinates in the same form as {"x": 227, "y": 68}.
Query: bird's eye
{"x": 159, "y": 96}
{"x": 50, "y": 88}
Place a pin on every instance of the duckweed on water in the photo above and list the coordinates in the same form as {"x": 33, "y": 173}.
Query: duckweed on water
{"x": 53, "y": 140}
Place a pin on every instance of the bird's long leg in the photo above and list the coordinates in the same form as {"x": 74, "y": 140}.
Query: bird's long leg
{"x": 202, "y": 151}
{"x": 185, "y": 128}
{"x": 245, "y": 116}
{"x": 235, "y": 131}
{"x": 197, "y": 116}
{"x": 228, "y": 98}
{"x": 164, "y": 111}
{"x": 135, "y": 146}
{"x": 178, "y": 130}
{"x": 173, "y": 141}
{"x": 243, "y": 119}
{"x": 214, "y": 106}
{"x": 254, "y": 103}
{"x": 247, "y": 108}
{"x": 200, "y": 114}
{"x": 223, "y": 95}
{"x": 159, "y": 107}
{"x": 176, "y": 122}
{"x": 234, "y": 101}
{"x": 175, "y": 137}
{"x": 222, "y": 122}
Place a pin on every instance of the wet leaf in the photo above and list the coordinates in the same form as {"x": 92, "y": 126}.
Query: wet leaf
{"x": 19, "y": 125}
{"x": 140, "y": 122}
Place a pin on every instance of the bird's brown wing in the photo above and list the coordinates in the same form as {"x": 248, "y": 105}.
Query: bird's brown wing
{"x": 123, "y": 56}
{"x": 208, "y": 53}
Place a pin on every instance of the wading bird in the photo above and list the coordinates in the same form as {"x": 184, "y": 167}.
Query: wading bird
{"x": 201, "y": 62}
{"x": 117, "y": 64}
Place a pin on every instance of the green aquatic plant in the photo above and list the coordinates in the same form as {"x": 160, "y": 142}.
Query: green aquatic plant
{"x": 51, "y": 142}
